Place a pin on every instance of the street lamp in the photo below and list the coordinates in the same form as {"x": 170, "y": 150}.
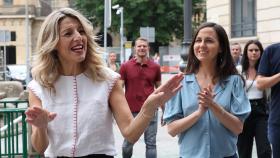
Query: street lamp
{"x": 187, "y": 34}
{"x": 120, "y": 11}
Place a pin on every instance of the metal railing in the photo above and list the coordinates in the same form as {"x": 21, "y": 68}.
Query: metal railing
{"x": 13, "y": 133}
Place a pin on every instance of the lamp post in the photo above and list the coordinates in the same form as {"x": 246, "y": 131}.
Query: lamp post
{"x": 187, "y": 33}
{"x": 107, "y": 24}
{"x": 120, "y": 11}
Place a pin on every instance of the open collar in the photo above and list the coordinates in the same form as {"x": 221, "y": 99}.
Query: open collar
{"x": 191, "y": 79}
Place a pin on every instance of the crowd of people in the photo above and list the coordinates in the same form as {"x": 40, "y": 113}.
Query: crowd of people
{"x": 217, "y": 106}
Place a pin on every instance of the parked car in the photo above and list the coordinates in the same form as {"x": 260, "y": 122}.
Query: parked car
{"x": 17, "y": 73}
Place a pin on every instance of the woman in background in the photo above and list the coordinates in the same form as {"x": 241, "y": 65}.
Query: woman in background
{"x": 112, "y": 63}
{"x": 255, "y": 126}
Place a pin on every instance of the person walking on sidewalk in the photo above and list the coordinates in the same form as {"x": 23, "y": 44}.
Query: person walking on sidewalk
{"x": 112, "y": 63}
{"x": 255, "y": 126}
{"x": 74, "y": 96}
{"x": 140, "y": 76}
{"x": 208, "y": 112}
{"x": 269, "y": 77}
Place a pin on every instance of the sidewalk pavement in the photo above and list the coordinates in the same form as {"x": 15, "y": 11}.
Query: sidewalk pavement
{"x": 167, "y": 146}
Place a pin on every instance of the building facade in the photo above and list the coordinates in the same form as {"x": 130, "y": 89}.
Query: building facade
{"x": 13, "y": 20}
{"x": 247, "y": 19}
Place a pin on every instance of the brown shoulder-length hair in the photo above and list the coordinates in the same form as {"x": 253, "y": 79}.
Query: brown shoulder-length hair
{"x": 245, "y": 60}
{"x": 224, "y": 63}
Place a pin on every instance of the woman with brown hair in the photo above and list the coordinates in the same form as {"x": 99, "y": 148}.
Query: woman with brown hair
{"x": 208, "y": 112}
{"x": 255, "y": 126}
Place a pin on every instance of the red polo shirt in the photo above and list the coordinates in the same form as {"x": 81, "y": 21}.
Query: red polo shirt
{"x": 140, "y": 81}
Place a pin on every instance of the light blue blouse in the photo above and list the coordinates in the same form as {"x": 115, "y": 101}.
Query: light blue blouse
{"x": 208, "y": 138}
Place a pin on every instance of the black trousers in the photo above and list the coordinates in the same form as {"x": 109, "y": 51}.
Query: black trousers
{"x": 255, "y": 126}
{"x": 92, "y": 156}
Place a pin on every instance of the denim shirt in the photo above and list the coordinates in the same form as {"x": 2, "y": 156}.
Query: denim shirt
{"x": 208, "y": 137}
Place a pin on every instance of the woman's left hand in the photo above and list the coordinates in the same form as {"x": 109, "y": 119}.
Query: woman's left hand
{"x": 163, "y": 93}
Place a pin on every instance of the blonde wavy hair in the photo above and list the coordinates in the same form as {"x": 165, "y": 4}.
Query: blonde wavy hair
{"x": 45, "y": 67}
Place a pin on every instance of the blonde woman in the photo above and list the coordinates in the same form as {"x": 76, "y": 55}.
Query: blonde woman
{"x": 74, "y": 96}
{"x": 112, "y": 63}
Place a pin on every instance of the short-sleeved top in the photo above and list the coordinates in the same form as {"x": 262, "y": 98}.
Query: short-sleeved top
{"x": 251, "y": 87}
{"x": 140, "y": 81}
{"x": 84, "y": 119}
{"x": 208, "y": 137}
{"x": 269, "y": 66}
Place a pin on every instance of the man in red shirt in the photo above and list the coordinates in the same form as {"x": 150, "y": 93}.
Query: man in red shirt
{"x": 140, "y": 76}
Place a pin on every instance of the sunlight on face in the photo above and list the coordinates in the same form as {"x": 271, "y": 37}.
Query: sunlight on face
{"x": 72, "y": 44}
{"x": 141, "y": 48}
{"x": 206, "y": 46}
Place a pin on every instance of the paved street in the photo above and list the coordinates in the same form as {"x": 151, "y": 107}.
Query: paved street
{"x": 167, "y": 146}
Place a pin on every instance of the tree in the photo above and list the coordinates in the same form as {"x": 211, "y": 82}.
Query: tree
{"x": 165, "y": 15}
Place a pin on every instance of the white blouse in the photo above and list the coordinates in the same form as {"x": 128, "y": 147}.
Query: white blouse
{"x": 83, "y": 124}
{"x": 251, "y": 87}
{"x": 253, "y": 92}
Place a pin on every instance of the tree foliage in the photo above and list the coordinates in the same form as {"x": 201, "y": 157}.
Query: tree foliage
{"x": 165, "y": 15}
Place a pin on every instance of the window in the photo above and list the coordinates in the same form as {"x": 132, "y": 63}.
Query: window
{"x": 13, "y": 36}
{"x": 243, "y": 18}
{"x": 8, "y": 2}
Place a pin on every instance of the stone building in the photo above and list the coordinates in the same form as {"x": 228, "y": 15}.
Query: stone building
{"x": 247, "y": 19}
{"x": 13, "y": 19}
{"x": 242, "y": 19}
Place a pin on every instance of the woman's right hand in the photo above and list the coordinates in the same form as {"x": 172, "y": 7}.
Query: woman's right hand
{"x": 166, "y": 91}
{"x": 201, "y": 109}
{"x": 39, "y": 117}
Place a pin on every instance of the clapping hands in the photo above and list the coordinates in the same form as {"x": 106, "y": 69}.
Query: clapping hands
{"x": 206, "y": 96}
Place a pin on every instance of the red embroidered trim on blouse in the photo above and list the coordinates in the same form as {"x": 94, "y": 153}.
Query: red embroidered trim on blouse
{"x": 75, "y": 116}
